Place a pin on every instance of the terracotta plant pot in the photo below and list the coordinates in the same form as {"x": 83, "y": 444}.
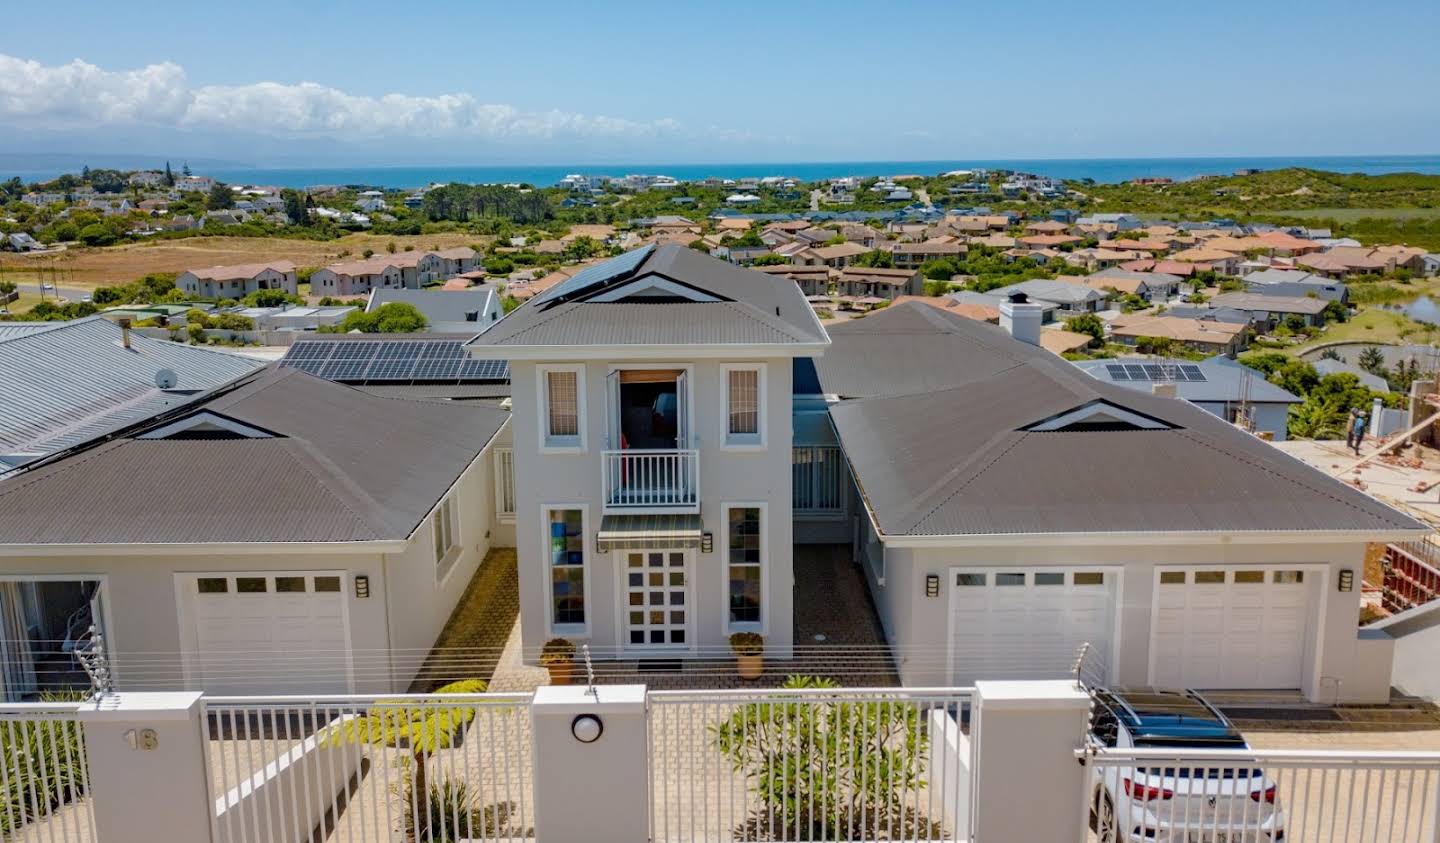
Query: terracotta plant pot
{"x": 560, "y": 672}
{"x": 750, "y": 667}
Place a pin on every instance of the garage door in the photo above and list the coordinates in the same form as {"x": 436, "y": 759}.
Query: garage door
{"x": 1030, "y": 623}
{"x": 1236, "y": 629}
{"x": 268, "y": 633}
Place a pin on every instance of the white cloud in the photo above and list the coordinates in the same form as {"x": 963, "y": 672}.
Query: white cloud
{"x": 81, "y": 95}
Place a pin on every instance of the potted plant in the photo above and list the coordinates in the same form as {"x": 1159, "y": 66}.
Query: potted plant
{"x": 558, "y": 657}
{"x": 749, "y": 649}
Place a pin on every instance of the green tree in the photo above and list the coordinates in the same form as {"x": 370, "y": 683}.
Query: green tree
{"x": 1153, "y": 345}
{"x": 295, "y": 207}
{"x": 220, "y": 198}
{"x": 169, "y": 176}
{"x": 96, "y": 234}
{"x": 1317, "y": 418}
{"x": 877, "y": 259}
{"x": 1372, "y": 360}
{"x": 270, "y": 298}
{"x": 392, "y": 318}
{"x": 1088, "y": 323}
{"x": 771, "y": 259}
{"x": 1296, "y": 377}
{"x": 1335, "y": 312}
{"x": 582, "y": 248}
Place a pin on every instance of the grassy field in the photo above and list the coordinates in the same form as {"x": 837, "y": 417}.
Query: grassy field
{"x": 1374, "y": 325}
{"x": 87, "y": 267}
{"x": 1351, "y": 214}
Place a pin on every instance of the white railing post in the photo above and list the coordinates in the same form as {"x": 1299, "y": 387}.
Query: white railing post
{"x": 1025, "y": 737}
{"x": 596, "y": 791}
{"x": 148, "y": 778}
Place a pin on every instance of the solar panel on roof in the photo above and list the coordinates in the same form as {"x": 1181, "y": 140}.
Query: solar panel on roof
{"x": 1192, "y": 373}
{"x": 485, "y": 370}
{"x": 1136, "y": 372}
{"x": 311, "y": 366}
{"x": 1117, "y": 372}
{"x": 381, "y": 360}
{"x": 1154, "y": 373}
{"x": 354, "y": 350}
{"x": 596, "y": 275}
{"x": 308, "y": 351}
{"x": 343, "y": 370}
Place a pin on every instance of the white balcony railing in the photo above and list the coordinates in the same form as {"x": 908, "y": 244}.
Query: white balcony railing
{"x": 651, "y": 480}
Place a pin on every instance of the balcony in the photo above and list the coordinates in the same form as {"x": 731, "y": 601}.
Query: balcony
{"x": 651, "y": 480}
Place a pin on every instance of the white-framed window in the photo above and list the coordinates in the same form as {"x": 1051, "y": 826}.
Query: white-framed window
{"x": 562, "y": 408}
{"x": 744, "y": 405}
{"x": 505, "y": 484}
{"x": 446, "y": 534}
{"x": 745, "y": 566}
{"x": 567, "y": 561}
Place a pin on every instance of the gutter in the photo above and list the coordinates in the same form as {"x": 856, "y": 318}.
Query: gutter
{"x": 193, "y": 548}
{"x": 1132, "y": 538}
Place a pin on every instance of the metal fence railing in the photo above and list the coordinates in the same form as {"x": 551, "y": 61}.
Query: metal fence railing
{"x": 1261, "y": 795}
{"x": 44, "y": 775}
{"x": 815, "y": 763}
{"x": 424, "y": 767}
{"x": 1412, "y": 575}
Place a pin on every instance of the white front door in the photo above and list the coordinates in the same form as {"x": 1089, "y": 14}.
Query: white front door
{"x": 1030, "y": 623}
{"x": 655, "y": 603}
{"x": 276, "y": 632}
{"x": 1230, "y": 628}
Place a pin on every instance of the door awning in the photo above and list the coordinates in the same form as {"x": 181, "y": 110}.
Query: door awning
{"x": 657, "y": 532}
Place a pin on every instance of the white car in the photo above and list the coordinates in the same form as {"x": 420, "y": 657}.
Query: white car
{"x": 1209, "y": 804}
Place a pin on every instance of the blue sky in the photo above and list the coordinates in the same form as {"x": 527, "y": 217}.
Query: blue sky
{"x": 606, "y": 82}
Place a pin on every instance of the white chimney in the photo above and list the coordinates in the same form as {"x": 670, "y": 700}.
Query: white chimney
{"x": 1022, "y": 317}
{"x": 1165, "y": 389}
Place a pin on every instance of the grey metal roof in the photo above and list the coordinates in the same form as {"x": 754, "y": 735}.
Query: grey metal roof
{"x": 73, "y": 381}
{"x": 444, "y": 310}
{"x": 1225, "y": 380}
{"x": 10, "y": 330}
{"x": 1326, "y": 366}
{"x": 444, "y": 391}
{"x": 1270, "y": 304}
{"x": 959, "y": 459}
{"x": 323, "y": 477}
{"x": 1045, "y": 289}
{"x": 754, "y": 308}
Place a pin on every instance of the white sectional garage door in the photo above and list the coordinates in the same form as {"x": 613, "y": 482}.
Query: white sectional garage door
{"x": 1230, "y": 629}
{"x": 1029, "y": 623}
{"x": 267, "y": 633}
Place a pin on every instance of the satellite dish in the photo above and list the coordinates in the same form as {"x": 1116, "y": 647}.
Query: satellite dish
{"x": 166, "y": 379}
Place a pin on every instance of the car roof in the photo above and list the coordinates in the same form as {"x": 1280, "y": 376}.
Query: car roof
{"x": 1162, "y": 716}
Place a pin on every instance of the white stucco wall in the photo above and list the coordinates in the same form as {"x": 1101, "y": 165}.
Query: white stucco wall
{"x": 725, "y": 477}
{"x": 917, "y": 624}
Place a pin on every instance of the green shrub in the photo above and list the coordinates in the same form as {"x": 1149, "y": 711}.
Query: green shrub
{"x": 43, "y": 757}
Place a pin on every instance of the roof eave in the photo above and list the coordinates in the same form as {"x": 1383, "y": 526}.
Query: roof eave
{"x": 646, "y": 352}
{"x": 1157, "y": 537}
{"x": 201, "y": 548}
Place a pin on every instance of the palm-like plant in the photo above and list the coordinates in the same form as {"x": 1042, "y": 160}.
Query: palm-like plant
{"x": 1317, "y": 418}
{"x": 424, "y": 729}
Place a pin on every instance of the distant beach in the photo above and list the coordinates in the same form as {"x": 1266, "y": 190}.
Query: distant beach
{"x": 1105, "y": 170}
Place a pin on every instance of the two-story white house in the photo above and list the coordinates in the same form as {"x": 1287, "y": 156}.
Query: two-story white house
{"x": 651, "y": 401}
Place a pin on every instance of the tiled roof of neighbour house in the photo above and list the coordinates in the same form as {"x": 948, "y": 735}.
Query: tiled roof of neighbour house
{"x": 1176, "y": 328}
{"x": 242, "y": 270}
{"x": 747, "y": 307}
{"x": 457, "y": 253}
{"x": 877, "y": 274}
{"x": 994, "y": 241}
{"x": 368, "y": 266}
{"x": 1154, "y": 279}
{"x": 983, "y": 313}
{"x": 838, "y": 251}
{"x": 791, "y": 270}
{"x": 1051, "y": 290}
{"x": 1173, "y": 267}
{"x": 1059, "y": 340}
{"x": 1343, "y": 259}
{"x": 73, "y": 381}
{"x": 948, "y": 445}
{"x": 1271, "y": 304}
{"x": 1047, "y": 227}
{"x": 1202, "y": 254}
{"x": 1220, "y": 379}
{"x": 928, "y": 247}
{"x": 444, "y": 310}
{"x": 320, "y": 462}
{"x": 1041, "y": 240}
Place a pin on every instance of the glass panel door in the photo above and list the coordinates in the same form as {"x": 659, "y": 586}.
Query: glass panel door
{"x": 656, "y": 598}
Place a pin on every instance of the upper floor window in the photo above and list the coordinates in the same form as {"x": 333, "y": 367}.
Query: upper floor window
{"x": 744, "y": 413}
{"x": 563, "y": 410}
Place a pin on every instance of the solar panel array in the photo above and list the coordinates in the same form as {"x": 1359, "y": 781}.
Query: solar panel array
{"x": 1154, "y": 372}
{"x": 392, "y": 360}
{"x": 598, "y": 274}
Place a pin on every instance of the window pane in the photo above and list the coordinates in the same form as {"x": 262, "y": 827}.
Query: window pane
{"x": 1209, "y": 577}
{"x": 1049, "y": 579}
{"x": 568, "y": 588}
{"x": 290, "y": 584}
{"x": 744, "y": 401}
{"x": 563, "y": 400}
{"x": 250, "y": 585}
{"x": 1090, "y": 578}
{"x": 1289, "y": 576}
{"x": 745, "y": 536}
{"x": 1172, "y": 577}
{"x": 213, "y": 585}
{"x": 970, "y": 579}
{"x": 327, "y": 584}
{"x": 744, "y": 551}
{"x": 1009, "y": 579}
{"x": 744, "y": 594}
{"x": 567, "y": 541}
{"x": 1250, "y": 576}
{"x": 567, "y": 566}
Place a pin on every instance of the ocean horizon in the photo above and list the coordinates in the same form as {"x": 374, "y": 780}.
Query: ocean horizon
{"x": 1103, "y": 170}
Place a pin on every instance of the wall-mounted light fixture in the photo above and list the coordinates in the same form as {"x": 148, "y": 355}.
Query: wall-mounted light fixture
{"x": 707, "y": 542}
{"x": 1347, "y": 580}
{"x": 932, "y": 585}
{"x": 362, "y": 586}
{"x": 587, "y": 728}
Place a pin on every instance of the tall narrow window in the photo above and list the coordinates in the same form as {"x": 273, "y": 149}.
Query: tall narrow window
{"x": 444, "y": 532}
{"x": 742, "y": 406}
{"x": 505, "y": 483}
{"x": 744, "y": 559}
{"x": 567, "y": 567}
{"x": 563, "y": 402}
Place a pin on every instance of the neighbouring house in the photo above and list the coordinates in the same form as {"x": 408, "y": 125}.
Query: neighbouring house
{"x": 1295, "y": 283}
{"x": 1070, "y": 298}
{"x": 1220, "y": 386}
{"x": 356, "y": 278}
{"x": 1266, "y": 311}
{"x": 652, "y": 399}
{"x": 880, "y": 283}
{"x": 1368, "y": 380}
{"x": 233, "y": 282}
{"x": 1061, "y": 341}
{"x": 1151, "y": 286}
{"x": 418, "y": 268}
{"x": 291, "y": 318}
{"x": 64, "y": 383}
{"x": 812, "y": 280}
{"x": 446, "y": 311}
{"x": 1342, "y": 262}
{"x": 742, "y": 255}
{"x": 980, "y": 312}
{"x": 837, "y": 256}
{"x": 284, "y": 521}
{"x": 1210, "y": 337}
{"x": 19, "y": 241}
{"x": 1204, "y": 257}
{"x": 912, "y": 255}
{"x": 457, "y": 261}
{"x": 1009, "y": 500}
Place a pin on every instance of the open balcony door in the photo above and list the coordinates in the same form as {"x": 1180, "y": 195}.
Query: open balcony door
{"x": 613, "y": 436}
{"x": 682, "y": 415}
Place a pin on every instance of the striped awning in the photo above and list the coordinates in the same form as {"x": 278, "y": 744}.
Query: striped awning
{"x": 630, "y": 532}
